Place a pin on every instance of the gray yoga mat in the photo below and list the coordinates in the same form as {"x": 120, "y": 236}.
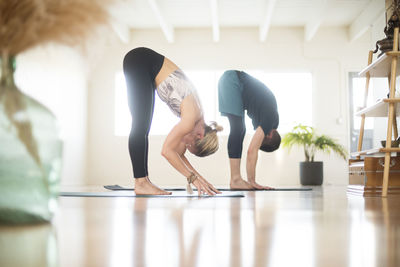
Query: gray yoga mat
{"x": 126, "y": 193}
{"x": 121, "y": 188}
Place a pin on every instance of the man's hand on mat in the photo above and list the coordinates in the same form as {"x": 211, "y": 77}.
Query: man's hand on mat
{"x": 258, "y": 186}
{"x": 239, "y": 183}
{"x": 204, "y": 187}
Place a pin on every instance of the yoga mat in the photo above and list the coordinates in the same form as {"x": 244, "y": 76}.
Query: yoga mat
{"x": 121, "y": 188}
{"x": 131, "y": 194}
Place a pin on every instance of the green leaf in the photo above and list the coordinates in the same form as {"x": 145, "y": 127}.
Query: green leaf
{"x": 306, "y": 137}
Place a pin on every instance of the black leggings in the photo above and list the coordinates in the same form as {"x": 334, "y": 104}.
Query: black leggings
{"x": 236, "y": 136}
{"x": 141, "y": 66}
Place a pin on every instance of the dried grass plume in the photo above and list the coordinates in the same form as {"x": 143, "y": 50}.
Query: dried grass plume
{"x": 27, "y": 23}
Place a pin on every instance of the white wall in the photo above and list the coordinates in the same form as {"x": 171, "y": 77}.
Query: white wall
{"x": 329, "y": 56}
{"x": 56, "y": 76}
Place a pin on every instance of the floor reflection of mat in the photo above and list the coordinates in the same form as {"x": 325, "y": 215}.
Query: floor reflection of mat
{"x": 121, "y": 188}
{"x": 126, "y": 193}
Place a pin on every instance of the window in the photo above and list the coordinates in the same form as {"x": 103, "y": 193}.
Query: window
{"x": 357, "y": 91}
{"x": 356, "y": 102}
{"x": 293, "y": 92}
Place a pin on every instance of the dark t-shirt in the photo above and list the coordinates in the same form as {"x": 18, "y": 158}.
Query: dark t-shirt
{"x": 259, "y": 102}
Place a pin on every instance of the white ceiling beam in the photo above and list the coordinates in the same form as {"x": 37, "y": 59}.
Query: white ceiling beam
{"x": 215, "y": 21}
{"x": 122, "y": 30}
{"x": 167, "y": 29}
{"x": 266, "y": 22}
{"x": 366, "y": 18}
{"x": 117, "y": 22}
{"x": 312, "y": 26}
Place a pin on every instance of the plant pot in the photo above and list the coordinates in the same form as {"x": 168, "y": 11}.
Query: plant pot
{"x": 311, "y": 173}
{"x": 30, "y": 154}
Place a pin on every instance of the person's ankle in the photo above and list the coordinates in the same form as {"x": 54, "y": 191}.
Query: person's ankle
{"x": 140, "y": 181}
{"x": 236, "y": 178}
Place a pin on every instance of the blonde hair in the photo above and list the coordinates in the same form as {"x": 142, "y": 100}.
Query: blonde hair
{"x": 209, "y": 144}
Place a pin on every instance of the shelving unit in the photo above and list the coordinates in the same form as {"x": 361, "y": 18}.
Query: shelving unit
{"x": 376, "y": 152}
{"x": 369, "y": 176}
{"x": 379, "y": 109}
{"x": 381, "y": 67}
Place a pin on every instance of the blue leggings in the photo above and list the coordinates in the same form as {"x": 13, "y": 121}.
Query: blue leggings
{"x": 236, "y": 136}
{"x": 141, "y": 66}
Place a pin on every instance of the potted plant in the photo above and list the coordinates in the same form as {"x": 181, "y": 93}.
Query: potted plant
{"x": 311, "y": 172}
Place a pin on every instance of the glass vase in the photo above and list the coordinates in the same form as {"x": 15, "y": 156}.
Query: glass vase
{"x": 30, "y": 154}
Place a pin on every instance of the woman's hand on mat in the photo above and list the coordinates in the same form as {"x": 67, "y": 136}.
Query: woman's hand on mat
{"x": 258, "y": 186}
{"x": 204, "y": 187}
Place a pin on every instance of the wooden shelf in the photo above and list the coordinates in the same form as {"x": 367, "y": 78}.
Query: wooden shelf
{"x": 381, "y": 66}
{"x": 380, "y": 108}
{"x": 375, "y": 151}
{"x": 386, "y": 66}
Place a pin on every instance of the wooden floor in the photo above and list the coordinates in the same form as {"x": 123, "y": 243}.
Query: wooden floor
{"x": 324, "y": 227}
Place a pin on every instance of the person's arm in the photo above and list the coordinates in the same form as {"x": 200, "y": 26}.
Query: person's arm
{"x": 210, "y": 187}
{"x": 252, "y": 157}
{"x": 172, "y": 148}
{"x": 252, "y": 154}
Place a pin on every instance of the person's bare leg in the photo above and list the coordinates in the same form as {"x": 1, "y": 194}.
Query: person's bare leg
{"x": 237, "y": 181}
{"x": 143, "y": 186}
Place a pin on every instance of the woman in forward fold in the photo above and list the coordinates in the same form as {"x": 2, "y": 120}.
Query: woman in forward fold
{"x": 146, "y": 71}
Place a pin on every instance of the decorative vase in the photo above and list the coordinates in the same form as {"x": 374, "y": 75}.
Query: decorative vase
{"x": 30, "y": 154}
{"x": 311, "y": 172}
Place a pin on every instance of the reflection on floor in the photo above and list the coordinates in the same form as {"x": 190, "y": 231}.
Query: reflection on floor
{"x": 324, "y": 227}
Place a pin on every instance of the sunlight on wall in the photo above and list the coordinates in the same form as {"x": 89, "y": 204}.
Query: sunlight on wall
{"x": 56, "y": 77}
{"x": 293, "y": 92}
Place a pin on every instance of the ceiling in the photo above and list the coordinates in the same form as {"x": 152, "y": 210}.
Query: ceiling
{"x": 169, "y": 15}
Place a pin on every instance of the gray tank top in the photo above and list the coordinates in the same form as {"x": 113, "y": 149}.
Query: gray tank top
{"x": 174, "y": 89}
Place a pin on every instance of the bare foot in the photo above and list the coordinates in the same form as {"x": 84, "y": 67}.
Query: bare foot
{"x": 239, "y": 183}
{"x": 261, "y": 187}
{"x": 143, "y": 186}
